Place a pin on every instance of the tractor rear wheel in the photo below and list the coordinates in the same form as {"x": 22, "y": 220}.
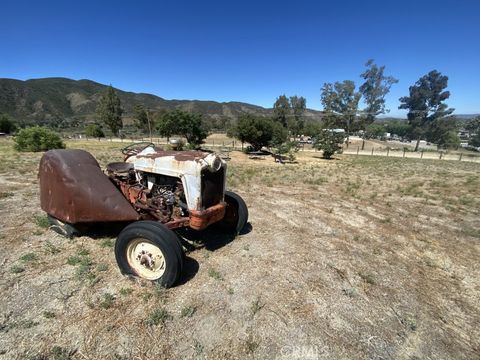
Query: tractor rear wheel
{"x": 236, "y": 214}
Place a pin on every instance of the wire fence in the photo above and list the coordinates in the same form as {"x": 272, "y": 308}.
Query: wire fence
{"x": 229, "y": 144}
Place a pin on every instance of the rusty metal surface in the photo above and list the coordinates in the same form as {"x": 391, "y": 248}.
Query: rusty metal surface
{"x": 199, "y": 220}
{"x": 73, "y": 189}
{"x": 178, "y": 155}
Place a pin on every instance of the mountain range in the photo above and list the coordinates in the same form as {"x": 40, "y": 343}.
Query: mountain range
{"x": 67, "y": 102}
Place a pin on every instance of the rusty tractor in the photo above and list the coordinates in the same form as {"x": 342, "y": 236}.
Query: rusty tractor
{"x": 155, "y": 192}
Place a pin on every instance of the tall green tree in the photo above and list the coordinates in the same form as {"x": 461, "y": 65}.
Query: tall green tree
{"x": 444, "y": 132}
{"x": 340, "y": 102}
{"x": 425, "y": 104}
{"x": 167, "y": 124}
{"x": 298, "y": 105}
{"x": 141, "y": 117}
{"x": 188, "y": 125}
{"x": 109, "y": 110}
{"x": 374, "y": 89}
{"x": 282, "y": 110}
{"x": 258, "y": 131}
{"x": 94, "y": 130}
{"x": 7, "y": 126}
{"x": 473, "y": 127}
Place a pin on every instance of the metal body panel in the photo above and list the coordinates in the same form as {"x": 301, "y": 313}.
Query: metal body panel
{"x": 74, "y": 189}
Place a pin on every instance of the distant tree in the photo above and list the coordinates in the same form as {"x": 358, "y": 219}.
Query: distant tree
{"x": 37, "y": 138}
{"x": 374, "y": 90}
{"x": 188, "y": 125}
{"x": 340, "y": 102}
{"x": 257, "y": 131}
{"x": 473, "y": 126}
{"x": 311, "y": 128}
{"x": 298, "y": 105}
{"x": 279, "y": 135}
{"x": 329, "y": 142}
{"x": 191, "y": 126}
{"x": 7, "y": 126}
{"x": 167, "y": 125}
{"x": 109, "y": 110}
{"x": 94, "y": 130}
{"x": 444, "y": 132}
{"x": 141, "y": 118}
{"x": 282, "y": 110}
{"x": 397, "y": 127}
{"x": 374, "y": 131}
{"x": 425, "y": 104}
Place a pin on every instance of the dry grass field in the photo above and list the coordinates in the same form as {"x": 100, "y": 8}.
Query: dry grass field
{"x": 353, "y": 258}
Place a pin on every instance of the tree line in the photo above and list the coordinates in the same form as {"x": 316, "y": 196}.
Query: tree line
{"x": 428, "y": 116}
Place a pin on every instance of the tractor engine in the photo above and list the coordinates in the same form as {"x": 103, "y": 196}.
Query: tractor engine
{"x": 154, "y": 196}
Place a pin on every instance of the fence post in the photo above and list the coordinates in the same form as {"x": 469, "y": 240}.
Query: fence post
{"x": 372, "y": 150}
{"x": 460, "y": 158}
{"x": 388, "y": 150}
{"x": 403, "y": 152}
{"x": 440, "y": 157}
{"x": 421, "y": 155}
{"x": 358, "y": 148}
{"x": 213, "y": 142}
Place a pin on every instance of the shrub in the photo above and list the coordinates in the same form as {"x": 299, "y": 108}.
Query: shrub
{"x": 37, "y": 139}
{"x": 330, "y": 142}
{"x": 94, "y": 130}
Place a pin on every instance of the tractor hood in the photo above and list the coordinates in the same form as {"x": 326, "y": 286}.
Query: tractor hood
{"x": 190, "y": 166}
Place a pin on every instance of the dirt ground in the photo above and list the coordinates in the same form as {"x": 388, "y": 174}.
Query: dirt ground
{"x": 352, "y": 258}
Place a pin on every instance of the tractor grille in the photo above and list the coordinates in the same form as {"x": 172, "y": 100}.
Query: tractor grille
{"x": 212, "y": 187}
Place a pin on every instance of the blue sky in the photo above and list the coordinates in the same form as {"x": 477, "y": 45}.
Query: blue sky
{"x": 249, "y": 51}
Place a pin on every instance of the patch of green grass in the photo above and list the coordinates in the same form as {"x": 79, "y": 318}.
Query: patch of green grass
{"x": 42, "y": 221}
{"x": 197, "y": 347}
{"x": 350, "y": 292}
{"x": 215, "y": 274}
{"x": 106, "y": 243}
{"x": 49, "y": 314}
{"x": 59, "y": 353}
{"x": 158, "y": 316}
{"x": 256, "y": 307}
{"x": 250, "y": 344}
{"x": 188, "y": 311}
{"x": 107, "y": 301}
{"x": 410, "y": 322}
{"x": 74, "y": 260}
{"x": 51, "y": 249}
{"x": 471, "y": 232}
{"x": 4, "y": 194}
{"x": 29, "y": 257}
{"x": 146, "y": 296}
{"x": 368, "y": 278}
{"x": 102, "y": 267}
{"x": 125, "y": 291}
{"x": 27, "y": 324}
{"x": 83, "y": 252}
{"x": 17, "y": 269}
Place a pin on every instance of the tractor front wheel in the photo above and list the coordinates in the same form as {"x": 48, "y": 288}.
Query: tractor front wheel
{"x": 150, "y": 251}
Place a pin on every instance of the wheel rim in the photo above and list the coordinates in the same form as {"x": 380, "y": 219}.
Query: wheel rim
{"x": 146, "y": 259}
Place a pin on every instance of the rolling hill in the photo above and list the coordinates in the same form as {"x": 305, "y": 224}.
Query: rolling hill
{"x": 68, "y": 102}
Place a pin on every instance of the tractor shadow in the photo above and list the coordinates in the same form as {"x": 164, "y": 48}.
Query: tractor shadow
{"x": 191, "y": 240}
{"x": 210, "y": 239}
